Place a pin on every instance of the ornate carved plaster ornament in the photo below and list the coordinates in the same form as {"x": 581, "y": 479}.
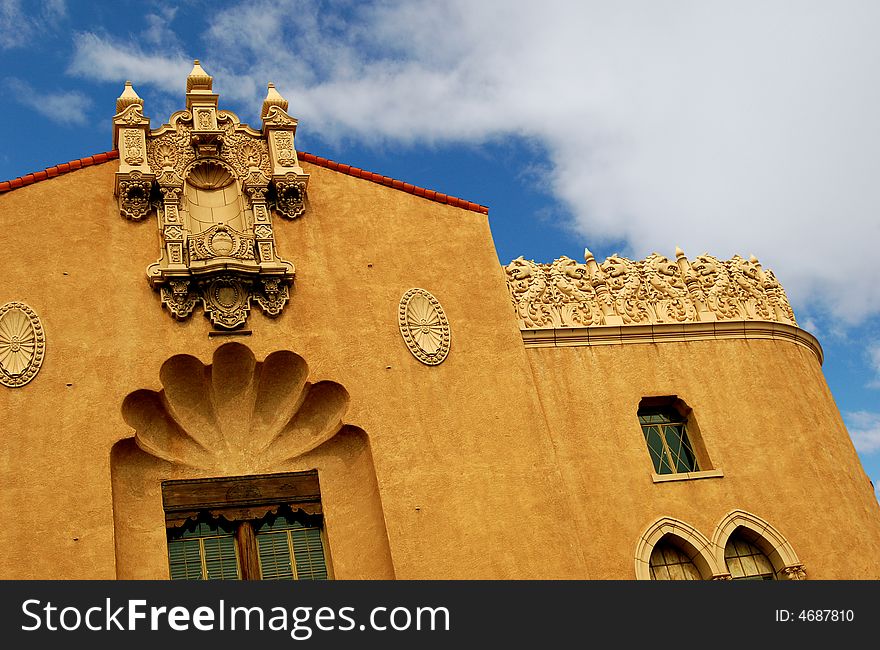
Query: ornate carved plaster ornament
{"x": 212, "y": 183}
{"x": 795, "y": 572}
{"x": 22, "y": 344}
{"x": 655, "y": 290}
{"x": 424, "y": 327}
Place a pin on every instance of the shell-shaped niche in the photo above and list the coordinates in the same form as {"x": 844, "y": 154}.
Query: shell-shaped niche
{"x": 236, "y": 414}
{"x": 424, "y": 326}
{"x": 209, "y": 175}
{"x": 22, "y": 344}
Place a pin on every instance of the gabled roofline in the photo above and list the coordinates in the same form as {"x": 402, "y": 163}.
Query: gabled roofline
{"x": 431, "y": 195}
{"x": 97, "y": 159}
{"x": 57, "y": 170}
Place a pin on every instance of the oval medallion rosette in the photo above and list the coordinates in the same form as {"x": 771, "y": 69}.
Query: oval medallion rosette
{"x": 22, "y": 344}
{"x": 424, "y": 327}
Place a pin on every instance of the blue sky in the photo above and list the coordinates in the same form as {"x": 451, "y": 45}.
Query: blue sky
{"x": 719, "y": 127}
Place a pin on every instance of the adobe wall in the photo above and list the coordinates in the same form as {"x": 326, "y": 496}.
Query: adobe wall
{"x": 452, "y": 446}
{"x": 768, "y": 423}
{"x": 501, "y": 462}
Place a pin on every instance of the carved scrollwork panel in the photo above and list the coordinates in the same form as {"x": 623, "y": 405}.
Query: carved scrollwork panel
{"x": 227, "y": 301}
{"x": 134, "y": 196}
{"x": 221, "y": 241}
{"x": 215, "y": 176}
{"x": 290, "y": 196}
{"x": 272, "y": 296}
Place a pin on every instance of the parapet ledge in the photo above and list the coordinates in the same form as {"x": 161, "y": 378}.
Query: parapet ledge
{"x": 670, "y": 333}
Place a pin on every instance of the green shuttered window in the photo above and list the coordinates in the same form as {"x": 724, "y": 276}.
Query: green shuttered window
{"x": 290, "y": 547}
{"x": 258, "y": 527}
{"x": 203, "y": 551}
{"x": 281, "y": 538}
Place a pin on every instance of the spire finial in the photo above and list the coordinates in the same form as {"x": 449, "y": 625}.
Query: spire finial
{"x": 127, "y": 98}
{"x": 273, "y": 98}
{"x": 198, "y": 79}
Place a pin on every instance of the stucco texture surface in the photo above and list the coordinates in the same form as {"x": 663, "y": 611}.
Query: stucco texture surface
{"x": 452, "y": 445}
{"x": 502, "y": 462}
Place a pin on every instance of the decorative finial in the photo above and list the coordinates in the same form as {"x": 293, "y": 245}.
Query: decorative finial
{"x": 198, "y": 79}
{"x": 127, "y": 98}
{"x": 753, "y": 259}
{"x": 588, "y": 255}
{"x": 678, "y": 252}
{"x": 273, "y": 98}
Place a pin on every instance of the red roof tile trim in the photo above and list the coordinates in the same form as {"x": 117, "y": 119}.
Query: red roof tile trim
{"x": 431, "y": 195}
{"x": 57, "y": 170}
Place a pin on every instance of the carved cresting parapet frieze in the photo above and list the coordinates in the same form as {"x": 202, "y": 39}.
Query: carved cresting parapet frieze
{"x": 213, "y": 184}
{"x": 620, "y": 291}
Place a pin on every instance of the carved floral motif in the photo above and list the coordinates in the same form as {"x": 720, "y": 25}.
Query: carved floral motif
{"x": 134, "y": 152}
{"x": 273, "y": 297}
{"x": 284, "y": 145}
{"x": 227, "y": 301}
{"x": 221, "y": 241}
{"x": 424, "y": 326}
{"x": 795, "y": 572}
{"x": 204, "y": 119}
{"x": 290, "y": 196}
{"x": 134, "y": 196}
{"x": 655, "y": 290}
{"x": 22, "y": 344}
{"x": 176, "y": 295}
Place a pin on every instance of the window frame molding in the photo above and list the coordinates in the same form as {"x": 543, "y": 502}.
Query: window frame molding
{"x": 687, "y": 476}
{"x": 708, "y": 555}
{"x": 689, "y": 541}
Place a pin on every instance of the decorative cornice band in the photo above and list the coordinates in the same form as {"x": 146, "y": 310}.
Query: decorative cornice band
{"x": 669, "y": 332}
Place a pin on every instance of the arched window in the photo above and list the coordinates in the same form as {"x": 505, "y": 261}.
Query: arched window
{"x": 671, "y": 549}
{"x": 668, "y": 562}
{"x": 751, "y": 548}
{"x": 745, "y": 561}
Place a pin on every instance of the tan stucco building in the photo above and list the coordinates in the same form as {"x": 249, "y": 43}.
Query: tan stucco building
{"x": 221, "y": 357}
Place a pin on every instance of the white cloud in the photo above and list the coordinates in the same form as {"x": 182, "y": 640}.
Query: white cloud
{"x": 21, "y": 22}
{"x": 98, "y": 57}
{"x": 54, "y": 11}
{"x": 158, "y": 30}
{"x": 729, "y": 128}
{"x": 13, "y": 32}
{"x": 864, "y": 428}
{"x": 67, "y": 108}
{"x": 103, "y": 58}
